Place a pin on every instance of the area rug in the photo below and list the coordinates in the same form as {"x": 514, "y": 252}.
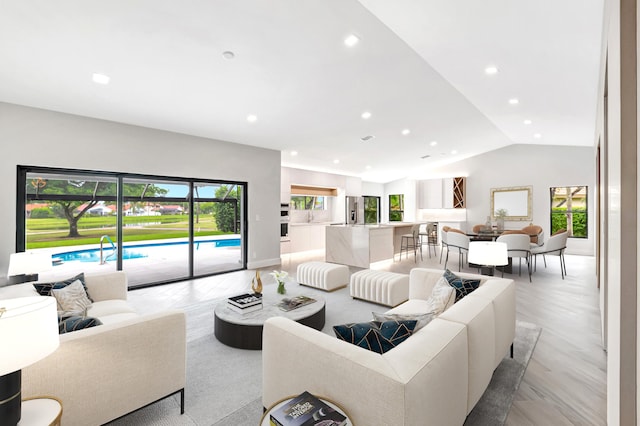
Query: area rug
{"x": 224, "y": 385}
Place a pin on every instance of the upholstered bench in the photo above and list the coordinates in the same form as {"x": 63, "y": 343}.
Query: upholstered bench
{"x": 385, "y": 288}
{"x": 323, "y": 275}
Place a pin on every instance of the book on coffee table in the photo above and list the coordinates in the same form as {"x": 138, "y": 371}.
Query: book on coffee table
{"x": 245, "y": 300}
{"x": 292, "y": 303}
{"x": 306, "y": 410}
{"x": 246, "y": 309}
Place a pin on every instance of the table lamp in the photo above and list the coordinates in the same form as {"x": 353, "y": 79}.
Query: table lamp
{"x": 28, "y": 332}
{"x": 488, "y": 254}
{"x": 25, "y": 266}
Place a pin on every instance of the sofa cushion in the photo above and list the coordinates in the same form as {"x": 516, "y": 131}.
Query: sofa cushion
{"x": 421, "y": 319}
{"x": 72, "y": 299}
{"x": 44, "y": 289}
{"x": 104, "y": 308}
{"x": 463, "y": 286}
{"x": 17, "y": 290}
{"x": 376, "y": 336}
{"x": 74, "y": 323}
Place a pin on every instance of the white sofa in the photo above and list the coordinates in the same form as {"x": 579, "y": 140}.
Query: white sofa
{"x": 435, "y": 377}
{"x": 104, "y": 372}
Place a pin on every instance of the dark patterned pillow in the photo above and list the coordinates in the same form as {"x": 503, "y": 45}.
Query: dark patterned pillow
{"x": 44, "y": 289}
{"x": 421, "y": 319}
{"x": 463, "y": 286}
{"x": 375, "y": 336}
{"x": 69, "y": 324}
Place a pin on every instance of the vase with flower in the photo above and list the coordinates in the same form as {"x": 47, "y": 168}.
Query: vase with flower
{"x": 280, "y": 277}
{"x": 500, "y": 214}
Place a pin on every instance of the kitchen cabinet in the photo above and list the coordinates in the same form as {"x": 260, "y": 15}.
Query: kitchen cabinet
{"x": 447, "y": 193}
{"x": 307, "y": 236}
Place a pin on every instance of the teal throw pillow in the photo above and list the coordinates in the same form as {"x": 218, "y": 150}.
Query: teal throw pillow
{"x": 376, "y": 336}
{"x": 44, "y": 289}
{"x": 74, "y": 323}
{"x": 463, "y": 286}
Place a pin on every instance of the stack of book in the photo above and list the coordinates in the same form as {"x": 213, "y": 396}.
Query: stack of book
{"x": 245, "y": 302}
{"x": 306, "y": 410}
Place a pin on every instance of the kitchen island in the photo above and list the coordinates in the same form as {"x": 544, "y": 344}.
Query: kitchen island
{"x": 358, "y": 245}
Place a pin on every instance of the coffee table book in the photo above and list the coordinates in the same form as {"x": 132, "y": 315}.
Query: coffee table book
{"x": 289, "y": 304}
{"x": 244, "y": 300}
{"x": 306, "y": 410}
{"x": 246, "y": 309}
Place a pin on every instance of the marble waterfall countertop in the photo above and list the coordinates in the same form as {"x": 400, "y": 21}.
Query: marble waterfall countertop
{"x": 358, "y": 245}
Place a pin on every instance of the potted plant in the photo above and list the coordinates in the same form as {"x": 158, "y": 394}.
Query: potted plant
{"x": 500, "y": 214}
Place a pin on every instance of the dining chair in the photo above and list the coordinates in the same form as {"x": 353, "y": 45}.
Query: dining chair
{"x": 536, "y": 235}
{"x": 443, "y": 241}
{"x": 411, "y": 242}
{"x": 518, "y": 246}
{"x": 555, "y": 246}
{"x": 460, "y": 241}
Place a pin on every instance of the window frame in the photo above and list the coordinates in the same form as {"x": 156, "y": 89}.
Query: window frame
{"x": 572, "y": 211}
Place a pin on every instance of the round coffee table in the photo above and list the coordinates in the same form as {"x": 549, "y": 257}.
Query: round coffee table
{"x": 244, "y": 331}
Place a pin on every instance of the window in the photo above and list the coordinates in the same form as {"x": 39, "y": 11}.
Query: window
{"x": 569, "y": 210}
{"x": 396, "y": 208}
{"x": 158, "y": 229}
{"x": 371, "y": 209}
{"x": 308, "y": 202}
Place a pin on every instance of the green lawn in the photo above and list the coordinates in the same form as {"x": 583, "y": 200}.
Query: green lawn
{"x": 53, "y": 232}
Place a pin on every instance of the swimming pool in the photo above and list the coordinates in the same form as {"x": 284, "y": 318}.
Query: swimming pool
{"x": 139, "y": 251}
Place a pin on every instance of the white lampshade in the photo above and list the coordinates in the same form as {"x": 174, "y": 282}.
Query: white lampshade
{"x": 28, "y": 331}
{"x": 30, "y": 262}
{"x": 488, "y": 253}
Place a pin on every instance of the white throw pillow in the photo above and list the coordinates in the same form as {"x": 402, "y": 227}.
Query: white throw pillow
{"x": 421, "y": 319}
{"x": 72, "y": 299}
{"x": 442, "y": 297}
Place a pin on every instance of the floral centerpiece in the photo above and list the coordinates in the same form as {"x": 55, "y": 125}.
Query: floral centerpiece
{"x": 280, "y": 276}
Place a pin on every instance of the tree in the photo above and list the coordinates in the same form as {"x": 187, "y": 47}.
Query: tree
{"x": 226, "y": 212}
{"x": 81, "y": 196}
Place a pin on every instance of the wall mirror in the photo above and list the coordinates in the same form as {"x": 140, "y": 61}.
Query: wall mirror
{"x": 515, "y": 201}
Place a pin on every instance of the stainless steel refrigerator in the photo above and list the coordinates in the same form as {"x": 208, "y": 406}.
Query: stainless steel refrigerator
{"x": 354, "y": 210}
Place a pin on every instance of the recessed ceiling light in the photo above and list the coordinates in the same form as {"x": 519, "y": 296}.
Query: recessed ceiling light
{"x": 351, "y": 40}
{"x": 228, "y": 54}
{"x": 368, "y": 167}
{"x": 366, "y": 115}
{"x": 100, "y": 78}
{"x": 251, "y": 118}
{"x": 490, "y": 70}
{"x": 336, "y": 161}
{"x": 433, "y": 143}
{"x": 294, "y": 153}
{"x": 454, "y": 152}
{"x": 514, "y": 101}
{"x": 527, "y": 121}
{"x": 367, "y": 138}
{"x": 537, "y": 135}
{"x": 406, "y": 132}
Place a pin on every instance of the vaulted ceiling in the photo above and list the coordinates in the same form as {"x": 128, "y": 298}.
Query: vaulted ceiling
{"x": 203, "y": 67}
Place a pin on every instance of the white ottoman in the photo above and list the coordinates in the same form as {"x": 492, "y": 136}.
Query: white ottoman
{"x": 323, "y": 275}
{"x": 385, "y": 288}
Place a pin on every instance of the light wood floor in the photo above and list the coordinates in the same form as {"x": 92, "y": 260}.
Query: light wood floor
{"x": 565, "y": 382}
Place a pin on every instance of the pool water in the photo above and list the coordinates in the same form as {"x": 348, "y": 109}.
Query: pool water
{"x": 140, "y": 250}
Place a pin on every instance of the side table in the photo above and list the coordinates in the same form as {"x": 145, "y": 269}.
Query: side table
{"x": 42, "y": 411}
{"x": 264, "y": 421}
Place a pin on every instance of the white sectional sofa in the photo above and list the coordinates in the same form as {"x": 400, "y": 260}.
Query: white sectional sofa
{"x": 435, "y": 377}
{"x": 104, "y": 372}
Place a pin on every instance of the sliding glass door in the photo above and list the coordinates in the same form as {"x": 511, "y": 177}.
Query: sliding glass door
{"x": 158, "y": 229}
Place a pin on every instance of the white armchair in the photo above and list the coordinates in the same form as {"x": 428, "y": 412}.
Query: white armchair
{"x": 555, "y": 246}
{"x": 518, "y": 246}
{"x": 460, "y": 241}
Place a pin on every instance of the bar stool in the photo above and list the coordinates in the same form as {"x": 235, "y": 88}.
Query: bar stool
{"x": 429, "y": 236}
{"x": 411, "y": 242}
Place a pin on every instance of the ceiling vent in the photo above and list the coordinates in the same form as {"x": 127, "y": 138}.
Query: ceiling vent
{"x": 367, "y": 138}
{"x": 425, "y": 156}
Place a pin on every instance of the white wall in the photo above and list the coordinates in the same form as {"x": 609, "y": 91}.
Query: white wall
{"x": 539, "y": 166}
{"x": 38, "y": 137}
